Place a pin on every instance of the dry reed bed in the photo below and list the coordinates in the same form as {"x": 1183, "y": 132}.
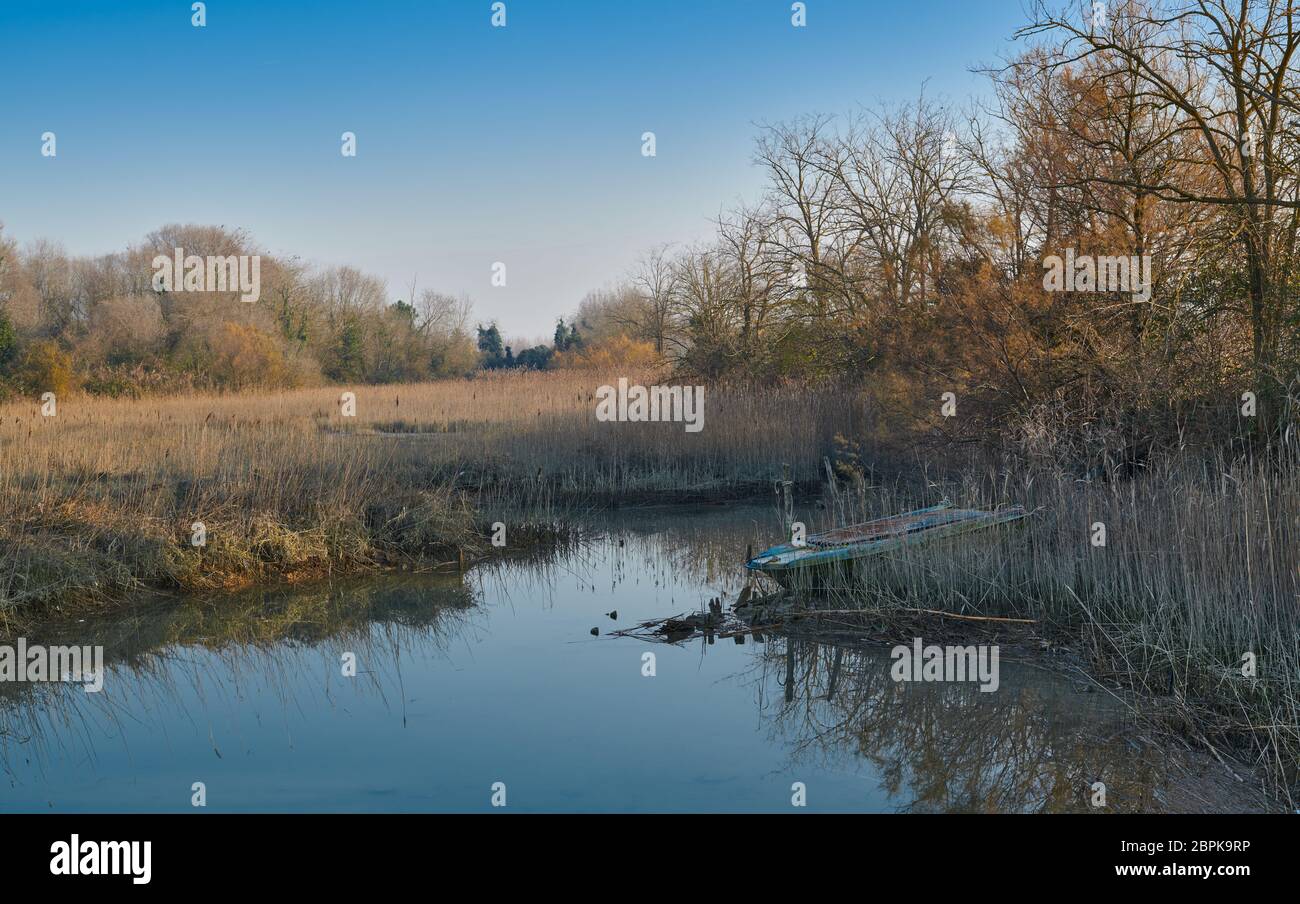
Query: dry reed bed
{"x": 1201, "y": 566}
{"x": 102, "y": 497}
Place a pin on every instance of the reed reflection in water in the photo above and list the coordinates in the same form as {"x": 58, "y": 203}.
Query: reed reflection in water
{"x": 494, "y": 676}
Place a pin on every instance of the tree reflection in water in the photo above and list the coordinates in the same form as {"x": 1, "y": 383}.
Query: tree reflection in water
{"x": 1037, "y": 744}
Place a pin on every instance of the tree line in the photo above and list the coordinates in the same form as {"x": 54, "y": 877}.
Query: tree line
{"x": 100, "y": 322}
{"x": 906, "y": 247}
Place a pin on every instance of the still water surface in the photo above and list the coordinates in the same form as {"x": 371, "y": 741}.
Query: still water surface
{"x": 495, "y": 677}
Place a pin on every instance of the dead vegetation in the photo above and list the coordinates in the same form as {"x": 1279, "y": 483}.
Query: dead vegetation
{"x": 104, "y": 497}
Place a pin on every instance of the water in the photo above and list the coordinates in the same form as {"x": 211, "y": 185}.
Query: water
{"x": 464, "y": 683}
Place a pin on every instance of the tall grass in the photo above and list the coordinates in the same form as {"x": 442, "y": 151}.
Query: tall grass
{"x": 102, "y": 497}
{"x": 1200, "y": 567}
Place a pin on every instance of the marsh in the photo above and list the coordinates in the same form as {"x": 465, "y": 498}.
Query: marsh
{"x": 463, "y": 682}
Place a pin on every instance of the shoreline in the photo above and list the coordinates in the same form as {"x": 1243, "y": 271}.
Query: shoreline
{"x": 1169, "y": 575}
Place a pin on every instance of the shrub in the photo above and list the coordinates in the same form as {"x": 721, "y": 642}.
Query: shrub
{"x": 44, "y": 367}
{"x": 245, "y": 356}
{"x": 620, "y": 352}
{"x": 8, "y": 342}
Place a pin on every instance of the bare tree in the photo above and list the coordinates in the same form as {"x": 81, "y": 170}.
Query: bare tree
{"x": 1227, "y": 68}
{"x": 655, "y": 282}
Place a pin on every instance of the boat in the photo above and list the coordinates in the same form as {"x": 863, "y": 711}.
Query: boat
{"x": 824, "y": 558}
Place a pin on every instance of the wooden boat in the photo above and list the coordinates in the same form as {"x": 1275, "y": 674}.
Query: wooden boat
{"x": 828, "y": 556}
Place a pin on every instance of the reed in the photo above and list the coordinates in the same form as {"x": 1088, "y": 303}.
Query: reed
{"x": 1200, "y": 567}
{"x": 102, "y": 497}
{"x": 1201, "y": 564}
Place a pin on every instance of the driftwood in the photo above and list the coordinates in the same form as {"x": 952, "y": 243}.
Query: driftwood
{"x": 806, "y": 613}
{"x": 672, "y": 629}
{"x": 773, "y": 614}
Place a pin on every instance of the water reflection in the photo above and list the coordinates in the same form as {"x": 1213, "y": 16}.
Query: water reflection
{"x": 494, "y": 676}
{"x": 1035, "y": 745}
{"x": 225, "y": 652}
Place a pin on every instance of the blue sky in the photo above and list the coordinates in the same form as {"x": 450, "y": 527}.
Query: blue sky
{"x": 475, "y": 144}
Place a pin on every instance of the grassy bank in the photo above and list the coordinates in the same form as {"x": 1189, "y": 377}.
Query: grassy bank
{"x": 103, "y": 496}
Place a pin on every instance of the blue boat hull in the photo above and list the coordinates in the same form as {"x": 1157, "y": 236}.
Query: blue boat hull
{"x": 831, "y": 559}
